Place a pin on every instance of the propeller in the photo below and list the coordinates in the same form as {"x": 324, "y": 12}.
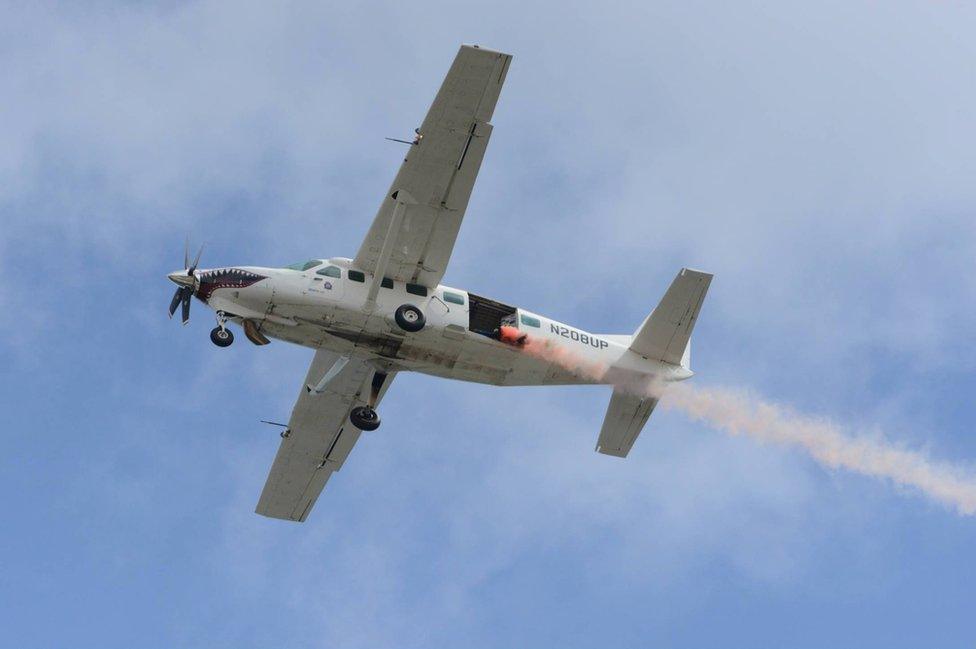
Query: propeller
{"x": 186, "y": 282}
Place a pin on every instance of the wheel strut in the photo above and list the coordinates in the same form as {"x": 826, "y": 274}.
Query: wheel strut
{"x": 379, "y": 378}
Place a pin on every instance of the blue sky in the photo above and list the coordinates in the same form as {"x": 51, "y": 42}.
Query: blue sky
{"x": 818, "y": 159}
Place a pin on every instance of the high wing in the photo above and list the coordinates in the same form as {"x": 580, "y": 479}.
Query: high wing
{"x": 413, "y": 234}
{"x": 320, "y": 436}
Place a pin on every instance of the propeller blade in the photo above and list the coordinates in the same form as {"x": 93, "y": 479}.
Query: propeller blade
{"x": 186, "y": 304}
{"x": 177, "y": 298}
{"x": 184, "y": 292}
{"x": 196, "y": 261}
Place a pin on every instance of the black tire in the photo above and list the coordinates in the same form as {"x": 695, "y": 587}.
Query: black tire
{"x": 364, "y": 418}
{"x": 221, "y": 337}
{"x": 410, "y": 318}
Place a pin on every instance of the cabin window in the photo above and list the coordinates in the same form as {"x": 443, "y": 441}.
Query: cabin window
{"x": 304, "y": 265}
{"x": 454, "y": 298}
{"x": 417, "y": 289}
{"x": 356, "y": 276}
{"x": 529, "y": 320}
{"x": 330, "y": 271}
{"x": 386, "y": 283}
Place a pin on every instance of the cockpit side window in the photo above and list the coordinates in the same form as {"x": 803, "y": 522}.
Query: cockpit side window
{"x": 304, "y": 265}
{"x": 330, "y": 271}
{"x": 529, "y": 320}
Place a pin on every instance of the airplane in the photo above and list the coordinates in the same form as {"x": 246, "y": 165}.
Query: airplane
{"x": 386, "y": 311}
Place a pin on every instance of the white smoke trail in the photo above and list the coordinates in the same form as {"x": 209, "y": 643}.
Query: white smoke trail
{"x": 739, "y": 413}
{"x": 564, "y": 358}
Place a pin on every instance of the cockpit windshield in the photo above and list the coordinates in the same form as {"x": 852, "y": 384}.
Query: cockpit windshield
{"x": 304, "y": 265}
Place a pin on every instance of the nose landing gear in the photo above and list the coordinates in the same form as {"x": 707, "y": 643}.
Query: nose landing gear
{"x": 221, "y": 335}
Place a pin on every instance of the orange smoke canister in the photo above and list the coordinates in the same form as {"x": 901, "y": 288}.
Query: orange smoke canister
{"x": 511, "y": 335}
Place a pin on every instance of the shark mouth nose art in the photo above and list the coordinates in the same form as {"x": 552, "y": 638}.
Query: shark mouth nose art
{"x": 211, "y": 280}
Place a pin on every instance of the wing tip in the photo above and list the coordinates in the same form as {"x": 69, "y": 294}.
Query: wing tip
{"x": 695, "y": 271}
{"x": 277, "y": 516}
{"x": 487, "y": 50}
{"x": 612, "y": 452}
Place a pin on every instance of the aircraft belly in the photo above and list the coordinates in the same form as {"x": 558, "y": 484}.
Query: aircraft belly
{"x": 435, "y": 350}
{"x": 526, "y": 370}
{"x": 304, "y": 333}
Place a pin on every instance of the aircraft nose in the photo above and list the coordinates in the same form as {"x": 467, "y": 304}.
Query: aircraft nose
{"x": 181, "y": 278}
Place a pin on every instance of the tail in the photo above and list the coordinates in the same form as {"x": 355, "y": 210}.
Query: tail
{"x": 665, "y": 335}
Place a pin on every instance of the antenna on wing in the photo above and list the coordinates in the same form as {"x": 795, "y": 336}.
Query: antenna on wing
{"x": 285, "y": 433}
{"x": 415, "y": 142}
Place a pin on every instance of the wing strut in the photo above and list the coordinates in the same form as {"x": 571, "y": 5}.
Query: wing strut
{"x": 402, "y": 199}
{"x": 319, "y": 387}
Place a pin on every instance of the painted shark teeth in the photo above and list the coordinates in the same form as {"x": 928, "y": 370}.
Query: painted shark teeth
{"x": 212, "y": 280}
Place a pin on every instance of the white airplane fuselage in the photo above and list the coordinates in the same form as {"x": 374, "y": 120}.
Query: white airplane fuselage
{"x": 459, "y": 340}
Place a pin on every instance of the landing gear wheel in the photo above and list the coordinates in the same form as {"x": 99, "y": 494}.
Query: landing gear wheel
{"x": 364, "y": 418}
{"x": 410, "y": 318}
{"x": 222, "y": 337}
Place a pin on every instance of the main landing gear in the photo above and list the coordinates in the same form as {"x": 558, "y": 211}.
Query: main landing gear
{"x": 221, "y": 335}
{"x": 409, "y": 318}
{"x": 365, "y": 417}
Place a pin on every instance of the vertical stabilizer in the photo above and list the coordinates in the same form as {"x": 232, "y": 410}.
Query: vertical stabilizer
{"x": 665, "y": 334}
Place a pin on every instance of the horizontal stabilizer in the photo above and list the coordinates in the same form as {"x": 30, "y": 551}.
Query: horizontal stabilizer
{"x": 665, "y": 333}
{"x": 626, "y": 416}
